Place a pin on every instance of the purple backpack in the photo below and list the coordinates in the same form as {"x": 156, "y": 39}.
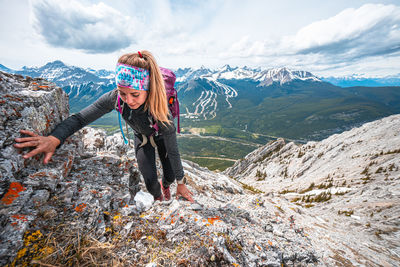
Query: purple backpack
{"x": 172, "y": 95}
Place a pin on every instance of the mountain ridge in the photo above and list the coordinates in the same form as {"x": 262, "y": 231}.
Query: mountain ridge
{"x": 281, "y": 75}
{"x": 348, "y": 181}
{"x": 345, "y": 81}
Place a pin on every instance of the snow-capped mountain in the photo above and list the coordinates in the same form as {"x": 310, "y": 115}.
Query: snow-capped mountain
{"x": 65, "y": 75}
{"x": 265, "y": 77}
{"x": 284, "y": 75}
{"x": 104, "y": 74}
{"x": 78, "y": 83}
{"x": 190, "y": 73}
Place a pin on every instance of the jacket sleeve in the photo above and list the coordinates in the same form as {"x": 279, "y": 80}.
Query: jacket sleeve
{"x": 171, "y": 145}
{"x": 77, "y": 121}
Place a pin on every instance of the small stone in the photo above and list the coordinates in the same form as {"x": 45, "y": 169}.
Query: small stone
{"x": 40, "y": 197}
{"x": 48, "y": 214}
{"x": 144, "y": 200}
{"x": 196, "y": 206}
{"x": 268, "y": 228}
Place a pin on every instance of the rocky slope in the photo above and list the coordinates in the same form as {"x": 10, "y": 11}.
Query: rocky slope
{"x": 89, "y": 206}
{"x": 348, "y": 183}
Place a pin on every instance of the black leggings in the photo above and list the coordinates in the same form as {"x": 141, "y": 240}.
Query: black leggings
{"x": 146, "y": 159}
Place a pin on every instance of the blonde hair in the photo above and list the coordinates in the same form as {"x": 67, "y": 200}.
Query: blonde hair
{"x": 156, "y": 100}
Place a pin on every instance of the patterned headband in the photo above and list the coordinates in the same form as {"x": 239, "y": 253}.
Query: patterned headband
{"x": 132, "y": 77}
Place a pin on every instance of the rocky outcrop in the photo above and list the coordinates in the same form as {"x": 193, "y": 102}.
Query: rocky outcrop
{"x": 89, "y": 205}
{"x": 347, "y": 187}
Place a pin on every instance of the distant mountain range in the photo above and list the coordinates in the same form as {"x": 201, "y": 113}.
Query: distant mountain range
{"x": 356, "y": 80}
{"x": 246, "y": 103}
{"x": 265, "y": 77}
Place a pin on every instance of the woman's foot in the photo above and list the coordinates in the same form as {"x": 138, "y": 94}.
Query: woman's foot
{"x": 160, "y": 198}
{"x": 165, "y": 192}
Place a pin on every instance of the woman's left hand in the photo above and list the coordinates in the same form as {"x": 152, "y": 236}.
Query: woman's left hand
{"x": 183, "y": 191}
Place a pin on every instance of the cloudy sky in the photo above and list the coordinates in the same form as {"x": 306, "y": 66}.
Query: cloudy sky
{"x": 328, "y": 38}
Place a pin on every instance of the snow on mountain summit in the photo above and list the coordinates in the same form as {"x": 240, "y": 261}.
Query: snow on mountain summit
{"x": 265, "y": 77}
{"x": 104, "y": 74}
{"x": 284, "y": 75}
{"x": 66, "y": 75}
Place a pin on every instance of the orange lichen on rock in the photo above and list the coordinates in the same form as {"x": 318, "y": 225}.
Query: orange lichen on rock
{"x": 20, "y": 217}
{"x": 80, "y": 207}
{"x": 68, "y": 165}
{"x": 13, "y": 193}
{"x": 214, "y": 219}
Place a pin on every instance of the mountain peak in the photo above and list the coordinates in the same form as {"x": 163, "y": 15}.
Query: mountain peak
{"x": 226, "y": 67}
{"x": 284, "y": 75}
{"x": 56, "y": 63}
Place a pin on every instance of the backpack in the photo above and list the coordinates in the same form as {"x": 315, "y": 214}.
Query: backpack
{"x": 169, "y": 78}
{"x": 172, "y": 95}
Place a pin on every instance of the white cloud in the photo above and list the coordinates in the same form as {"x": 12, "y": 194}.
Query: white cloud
{"x": 350, "y": 37}
{"x": 311, "y": 35}
{"x": 246, "y": 47}
{"x": 94, "y": 28}
{"x": 370, "y": 30}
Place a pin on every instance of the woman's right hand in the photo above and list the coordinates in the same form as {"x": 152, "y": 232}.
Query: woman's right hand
{"x": 42, "y": 144}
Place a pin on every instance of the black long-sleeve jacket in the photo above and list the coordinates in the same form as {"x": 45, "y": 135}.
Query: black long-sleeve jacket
{"x": 138, "y": 120}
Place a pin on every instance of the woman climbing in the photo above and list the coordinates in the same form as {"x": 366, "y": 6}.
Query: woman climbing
{"x": 144, "y": 107}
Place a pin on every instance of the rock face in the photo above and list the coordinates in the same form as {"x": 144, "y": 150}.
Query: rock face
{"x": 349, "y": 183}
{"x": 89, "y": 205}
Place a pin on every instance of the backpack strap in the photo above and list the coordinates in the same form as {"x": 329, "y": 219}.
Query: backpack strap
{"x": 179, "y": 126}
{"x": 173, "y": 106}
{"x": 127, "y": 142}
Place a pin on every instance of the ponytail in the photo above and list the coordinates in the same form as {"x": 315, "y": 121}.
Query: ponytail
{"x": 156, "y": 101}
